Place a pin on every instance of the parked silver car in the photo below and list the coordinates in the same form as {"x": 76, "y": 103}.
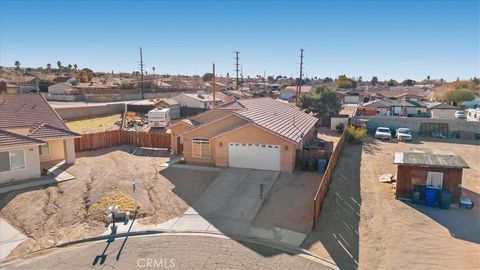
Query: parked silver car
{"x": 383, "y": 133}
{"x": 404, "y": 134}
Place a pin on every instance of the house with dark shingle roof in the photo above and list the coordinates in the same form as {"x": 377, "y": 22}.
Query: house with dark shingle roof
{"x": 31, "y": 134}
{"x": 259, "y": 133}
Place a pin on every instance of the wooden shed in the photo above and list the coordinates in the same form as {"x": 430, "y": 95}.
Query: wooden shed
{"x": 426, "y": 168}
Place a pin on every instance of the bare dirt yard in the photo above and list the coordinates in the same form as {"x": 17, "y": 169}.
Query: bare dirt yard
{"x": 65, "y": 212}
{"x": 95, "y": 124}
{"x": 362, "y": 226}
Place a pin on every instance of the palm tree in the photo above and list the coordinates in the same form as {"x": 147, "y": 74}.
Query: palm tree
{"x": 59, "y": 64}
{"x": 49, "y": 67}
{"x": 153, "y": 69}
{"x": 75, "y": 67}
{"x": 69, "y": 66}
{"x": 17, "y": 65}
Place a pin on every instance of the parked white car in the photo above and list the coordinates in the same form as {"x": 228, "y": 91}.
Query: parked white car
{"x": 460, "y": 114}
{"x": 404, "y": 134}
{"x": 383, "y": 133}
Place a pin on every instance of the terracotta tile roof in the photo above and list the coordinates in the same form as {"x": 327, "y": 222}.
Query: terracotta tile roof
{"x": 45, "y": 131}
{"x": 280, "y": 118}
{"x": 10, "y": 139}
{"x": 26, "y": 110}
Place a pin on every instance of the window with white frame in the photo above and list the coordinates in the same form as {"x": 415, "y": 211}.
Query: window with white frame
{"x": 200, "y": 148}
{"x": 44, "y": 149}
{"x": 435, "y": 180}
{"x": 12, "y": 160}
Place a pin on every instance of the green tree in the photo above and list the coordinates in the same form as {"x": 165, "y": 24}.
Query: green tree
{"x": 17, "y": 65}
{"x": 392, "y": 82}
{"x": 207, "y": 77}
{"x": 408, "y": 82}
{"x": 49, "y": 67}
{"x": 85, "y": 75}
{"x": 374, "y": 80}
{"x": 344, "y": 82}
{"x": 458, "y": 96}
{"x": 323, "y": 102}
{"x": 75, "y": 67}
{"x": 356, "y": 134}
{"x": 59, "y": 65}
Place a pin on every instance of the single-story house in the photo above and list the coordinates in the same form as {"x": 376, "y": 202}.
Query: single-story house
{"x": 403, "y": 93}
{"x": 220, "y": 96}
{"x": 256, "y": 133}
{"x": 291, "y": 91}
{"x": 441, "y": 110}
{"x": 198, "y": 100}
{"x": 426, "y": 168}
{"x": 397, "y": 108}
{"x": 171, "y": 104}
{"x": 240, "y": 94}
{"x": 62, "y": 88}
{"x": 31, "y": 134}
{"x": 349, "y": 97}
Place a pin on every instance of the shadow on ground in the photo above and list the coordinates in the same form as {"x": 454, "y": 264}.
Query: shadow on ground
{"x": 337, "y": 226}
{"x": 461, "y": 223}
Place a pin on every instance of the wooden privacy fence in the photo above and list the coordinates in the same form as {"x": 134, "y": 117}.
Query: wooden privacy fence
{"x": 106, "y": 139}
{"x": 327, "y": 178}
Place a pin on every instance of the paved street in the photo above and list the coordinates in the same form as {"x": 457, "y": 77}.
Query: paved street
{"x": 169, "y": 252}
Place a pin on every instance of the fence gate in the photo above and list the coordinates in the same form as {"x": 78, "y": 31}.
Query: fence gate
{"x": 426, "y": 129}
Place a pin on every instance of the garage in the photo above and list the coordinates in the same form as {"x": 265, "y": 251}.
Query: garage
{"x": 254, "y": 156}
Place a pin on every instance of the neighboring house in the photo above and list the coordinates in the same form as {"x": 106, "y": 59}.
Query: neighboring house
{"x": 426, "y": 168}
{"x": 240, "y": 94}
{"x": 65, "y": 79}
{"x": 397, "y": 108}
{"x": 171, "y": 104}
{"x": 63, "y": 88}
{"x": 291, "y": 91}
{"x": 220, "y": 96}
{"x": 473, "y": 114}
{"x": 198, "y": 100}
{"x": 349, "y": 97}
{"x": 441, "y": 110}
{"x": 257, "y": 133}
{"x": 31, "y": 133}
{"x": 403, "y": 93}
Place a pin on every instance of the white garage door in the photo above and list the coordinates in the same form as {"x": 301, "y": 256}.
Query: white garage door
{"x": 254, "y": 156}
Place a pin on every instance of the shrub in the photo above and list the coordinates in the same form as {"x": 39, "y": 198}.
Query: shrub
{"x": 356, "y": 134}
{"x": 340, "y": 127}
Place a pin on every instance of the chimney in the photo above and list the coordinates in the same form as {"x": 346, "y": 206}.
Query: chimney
{"x": 3, "y": 91}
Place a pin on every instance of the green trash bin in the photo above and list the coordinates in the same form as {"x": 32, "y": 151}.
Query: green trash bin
{"x": 445, "y": 199}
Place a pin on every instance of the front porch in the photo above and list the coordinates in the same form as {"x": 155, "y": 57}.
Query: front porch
{"x": 58, "y": 149}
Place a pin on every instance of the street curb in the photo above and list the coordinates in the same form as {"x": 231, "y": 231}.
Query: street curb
{"x": 254, "y": 240}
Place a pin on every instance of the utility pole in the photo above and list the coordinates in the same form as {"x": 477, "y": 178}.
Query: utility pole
{"x": 299, "y": 84}
{"x": 141, "y": 68}
{"x": 236, "y": 66}
{"x": 264, "y": 83}
{"x": 213, "y": 86}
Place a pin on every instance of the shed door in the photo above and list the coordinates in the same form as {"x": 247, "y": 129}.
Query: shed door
{"x": 254, "y": 156}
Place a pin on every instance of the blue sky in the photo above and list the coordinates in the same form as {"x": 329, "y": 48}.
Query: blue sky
{"x": 389, "y": 39}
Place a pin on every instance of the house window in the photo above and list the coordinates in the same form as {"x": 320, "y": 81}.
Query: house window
{"x": 12, "y": 160}
{"x": 435, "y": 180}
{"x": 44, "y": 149}
{"x": 200, "y": 148}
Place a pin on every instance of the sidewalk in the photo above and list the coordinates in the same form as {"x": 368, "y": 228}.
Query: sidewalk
{"x": 9, "y": 238}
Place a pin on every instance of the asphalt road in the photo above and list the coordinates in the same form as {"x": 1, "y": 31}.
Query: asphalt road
{"x": 168, "y": 252}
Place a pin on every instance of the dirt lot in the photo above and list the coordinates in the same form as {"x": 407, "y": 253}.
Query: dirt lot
{"x": 362, "y": 225}
{"x": 60, "y": 213}
{"x": 96, "y": 124}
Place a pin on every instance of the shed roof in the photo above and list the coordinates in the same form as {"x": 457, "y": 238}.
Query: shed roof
{"x": 429, "y": 160}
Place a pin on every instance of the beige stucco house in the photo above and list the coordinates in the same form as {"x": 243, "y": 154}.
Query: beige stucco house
{"x": 256, "y": 133}
{"x": 32, "y": 134}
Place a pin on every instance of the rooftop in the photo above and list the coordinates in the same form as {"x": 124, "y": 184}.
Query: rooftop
{"x": 426, "y": 159}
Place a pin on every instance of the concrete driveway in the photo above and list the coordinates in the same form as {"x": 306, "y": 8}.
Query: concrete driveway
{"x": 230, "y": 203}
